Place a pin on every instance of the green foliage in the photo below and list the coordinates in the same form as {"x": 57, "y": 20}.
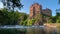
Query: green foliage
{"x": 4, "y": 16}
{"x": 57, "y": 14}
{"x": 30, "y": 22}
{"x": 8, "y": 17}
{"x": 27, "y": 22}
{"x": 54, "y": 19}
{"x": 50, "y": 21}
{"x": 23, "y": 18}
{"x": 58, "y": 17}
{"x": 58, "y": 20}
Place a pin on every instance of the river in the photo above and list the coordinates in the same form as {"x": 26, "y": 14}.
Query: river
{"x": 29, "y": 29}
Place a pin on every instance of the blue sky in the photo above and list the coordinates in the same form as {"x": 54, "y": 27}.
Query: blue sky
{"x": 51, "y": 4}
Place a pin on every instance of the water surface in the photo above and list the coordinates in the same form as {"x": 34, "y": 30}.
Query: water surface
{"x": 17, "y": 29}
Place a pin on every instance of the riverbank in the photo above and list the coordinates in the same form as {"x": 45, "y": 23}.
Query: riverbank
{"x": 52, "y": 24}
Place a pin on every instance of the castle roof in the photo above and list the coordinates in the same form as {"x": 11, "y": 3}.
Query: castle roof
{"x": 36, "y": 4}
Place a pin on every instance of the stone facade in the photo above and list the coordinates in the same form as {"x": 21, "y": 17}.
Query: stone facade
{"x": 47, "y": 12}
{"x": 37, "y": 9}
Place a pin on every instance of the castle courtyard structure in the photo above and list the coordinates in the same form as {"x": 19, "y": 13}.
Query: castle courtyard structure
{"x": 37, "y": 9}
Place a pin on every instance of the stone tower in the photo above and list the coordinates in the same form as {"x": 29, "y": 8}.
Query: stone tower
{"x": 35, "y": 9}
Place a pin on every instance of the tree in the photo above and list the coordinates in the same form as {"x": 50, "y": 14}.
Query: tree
{"x": 11, "y": 4}
{"x": 58, "y": 14}
{"x": 23, "y": 18}
{"x": 58, "y": 20}
{"x": 7, "y": 17}
{"x": 54, "y": 19}
{"x": 4, "y": 16}
{"x": 58, "y": 17}
{"x": 30, "y": 22}
{"x": 50, "y": 21}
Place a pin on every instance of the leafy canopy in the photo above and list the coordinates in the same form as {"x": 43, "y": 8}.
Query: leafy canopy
{"x": 11, "y": 4}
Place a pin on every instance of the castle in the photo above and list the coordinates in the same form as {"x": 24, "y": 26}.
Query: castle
{"x": 37, "y": 9}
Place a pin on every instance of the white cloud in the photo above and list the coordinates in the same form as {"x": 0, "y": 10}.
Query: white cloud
{"x": 1, "y": 5}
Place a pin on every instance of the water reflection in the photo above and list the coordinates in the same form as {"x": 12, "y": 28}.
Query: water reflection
{"x": 32, "y": 29}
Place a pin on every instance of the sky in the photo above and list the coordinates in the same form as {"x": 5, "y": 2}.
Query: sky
{"x": 1, "y": 5}
{"x": 51, "y": 4}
